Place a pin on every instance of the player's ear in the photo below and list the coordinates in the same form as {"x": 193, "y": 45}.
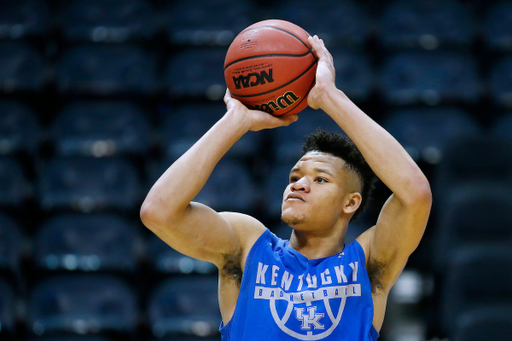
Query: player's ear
{"x": 352, "y": 202}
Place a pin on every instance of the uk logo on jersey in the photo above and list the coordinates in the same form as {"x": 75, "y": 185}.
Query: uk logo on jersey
{"x": 311, "y": 314}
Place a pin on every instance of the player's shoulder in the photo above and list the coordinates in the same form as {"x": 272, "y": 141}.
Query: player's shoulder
{"x": 365, "y": 239}
{"x": 247, "y": 228}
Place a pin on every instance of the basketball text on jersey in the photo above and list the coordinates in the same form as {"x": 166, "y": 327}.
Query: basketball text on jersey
{"x": 307, "y": 307}
{"x": 281, "y": 102}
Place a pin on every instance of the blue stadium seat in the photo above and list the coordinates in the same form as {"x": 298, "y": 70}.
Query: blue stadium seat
{"x": 184, "y": 124}
{"x": 424, "y": 132}
{"x": 430, "y": 77}
{"x": 288, "y": 140}
{"x": 427, "y": 24}
{"x": 110, "y": 21}
{"x": 478, "y": 277}
{"x": 354, "y": 75}
{"x": 196, "y": 73}
{"x": 186, "y": 306}
{"x": 207, "y": 23}
{"x": 470, "y": 159}
{"x": 484, "y": 324}
{"x": 461, "y": 222}
{"x": 342, "y": 23}
{"x": 19, "y": 128}
{"x": 164, "y": 259}
{"x": 92, "y": 242}
{"x": 14, "y": 186}
{"x": 82, "y": 304}
{"x": 12, "y": 249}
{"x": 71, "y": 338}
{"x": 503, "y": 127}
{"x": 7, "y": 311}
{"x": 101, "y": 128}
{"x": 500, "y": 82}
{"x": 24, "y": 18}
{"x": 230, "y": 187}
{"x": 113, "y": 69}
{"x": 22, "y": 68}
{"x": 497, "y": 26}
{"x": 88, "y": 184}
{"x": 275, "y": 183}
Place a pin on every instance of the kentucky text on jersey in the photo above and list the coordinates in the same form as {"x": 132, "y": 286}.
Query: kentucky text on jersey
{"x": 289, "y": 297}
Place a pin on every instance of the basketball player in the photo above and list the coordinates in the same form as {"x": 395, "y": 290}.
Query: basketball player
{"x": 313, "y": 287}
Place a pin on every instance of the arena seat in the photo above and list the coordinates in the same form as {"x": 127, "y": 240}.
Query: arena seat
{"x": 206, "y": 23}
{"x": 88, "y": 184}
{"x": 111, "y": 21}
{"x": 424, "y": 131}
{"x": 185, "y": 123}
{"x": 472, "y": 214}
{"x": 354, "y": 74}
{"x": 8, "y": 317}
{"x": 478, "y": 277}
{"x": 484, "y": 324}
{"x": 22, "y": 68}
{"x": 429, "y": 77}
{"x": 88, "y": 242}
{"x": 426, "y": 24}
{"x": 497, "y": 26}
{"x": 82, "y": 304}
{"x": 15, "y": 187}
{"x": 101, "y": 128}
{"x": 502, "y": 127}
{"x": 24, "y": 19}
{"x": 106, "y": 70}
{"x": 470, "y": 159}
{"x": 196, "y": 73}
{"x": 185, "y": 306}
{"x": 230, "y": 187}
{"x": 19, "y": 128}
{"x": 338, "y": 23}
{"x": 500, "y": 82}
{"x": 12, "y": 250}
{"x": 165, "y": 260}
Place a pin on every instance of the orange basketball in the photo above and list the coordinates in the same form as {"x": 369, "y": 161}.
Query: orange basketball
{"x": 271, "y": 66}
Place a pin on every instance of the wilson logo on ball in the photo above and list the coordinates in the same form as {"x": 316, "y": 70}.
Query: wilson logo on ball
{"x": 282, "y": 102}
{"x": 253, "y": 79}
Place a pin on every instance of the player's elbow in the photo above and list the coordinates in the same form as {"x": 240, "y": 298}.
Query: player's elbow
{"x": 153, "y": 215}
{"x": 420, "y": 194}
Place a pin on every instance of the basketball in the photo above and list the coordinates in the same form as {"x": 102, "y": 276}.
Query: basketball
{"x": 270, "y": 66}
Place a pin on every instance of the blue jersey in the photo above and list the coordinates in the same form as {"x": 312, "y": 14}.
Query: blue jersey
{"x": 285, "y": 296}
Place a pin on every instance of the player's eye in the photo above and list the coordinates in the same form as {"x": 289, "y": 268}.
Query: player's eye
{"x": 321, "y": 180}
{"x": 294, "y": 178}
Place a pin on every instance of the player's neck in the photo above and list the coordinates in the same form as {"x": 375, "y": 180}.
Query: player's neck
{"x": 314, "y": 245}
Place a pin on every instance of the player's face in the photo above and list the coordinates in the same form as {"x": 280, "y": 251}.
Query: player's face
{"x": 315, "y": 196}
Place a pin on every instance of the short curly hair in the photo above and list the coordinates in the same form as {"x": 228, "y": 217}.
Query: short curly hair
{"x": 343, "y": 147}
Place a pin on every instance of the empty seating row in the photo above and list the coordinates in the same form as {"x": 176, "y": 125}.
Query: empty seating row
{"x": 408, "y": 77}
{"x": 103, "y": 304}
{"x": 397, "y": 24}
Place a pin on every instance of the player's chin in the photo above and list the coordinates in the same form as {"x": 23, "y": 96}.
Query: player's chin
{"x": 291, "y": 217}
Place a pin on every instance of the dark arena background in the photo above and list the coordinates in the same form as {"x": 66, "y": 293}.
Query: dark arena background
{"x": 99, "y": 97}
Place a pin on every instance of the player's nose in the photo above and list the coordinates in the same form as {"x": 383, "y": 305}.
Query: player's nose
{"x": 300, "y": 185}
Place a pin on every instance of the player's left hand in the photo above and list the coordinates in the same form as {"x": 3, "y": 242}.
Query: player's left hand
{"x": 325, "y": 73}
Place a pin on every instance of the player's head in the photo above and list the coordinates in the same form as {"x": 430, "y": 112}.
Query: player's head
{"x": 342, "y": 146}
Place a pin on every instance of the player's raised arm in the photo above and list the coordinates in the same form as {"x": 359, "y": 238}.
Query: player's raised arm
{"x": 404, "y": 216}
{"x": 192, "y": 228}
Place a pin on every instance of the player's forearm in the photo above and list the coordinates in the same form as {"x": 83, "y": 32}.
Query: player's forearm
{"x": 387, "y": 158}
{"x": 182, "y": 181}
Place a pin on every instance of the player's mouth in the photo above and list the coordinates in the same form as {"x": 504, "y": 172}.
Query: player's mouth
{"x": 295, "y": 197}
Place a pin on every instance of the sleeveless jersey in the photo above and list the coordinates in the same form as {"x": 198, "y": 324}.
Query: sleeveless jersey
{"x": 285, "y": 296}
